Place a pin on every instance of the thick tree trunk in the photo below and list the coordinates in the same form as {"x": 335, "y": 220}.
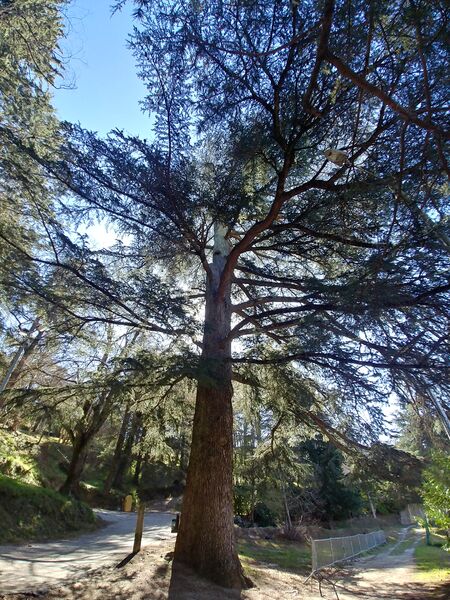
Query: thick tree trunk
{"x": 206, "y": 540}
{"x": 76, "y": 466}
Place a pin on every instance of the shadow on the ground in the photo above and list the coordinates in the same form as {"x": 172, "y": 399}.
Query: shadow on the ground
{"x": 126, "y": 560}
{"x": 383, "y": 590}
{"x": 353, "y": 584}
{"x": 185, "y": 585}
{"x": 407, "y": 591}
{"x": 441, "y": 592}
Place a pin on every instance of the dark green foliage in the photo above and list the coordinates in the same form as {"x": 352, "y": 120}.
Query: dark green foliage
{"x": 391, "y": 498}
{"x": 336, "y": 499}
{"x": 250, "y": 508}
{"x": 243, "y": 500}
{"x": 436, "y": 491}
{"x": 391, "y": 477}
{"x": 263, "y": 516}
{"x": 29, "y": 64}
{"x": 29, "y": 512}
{"x": 160, "y": 480}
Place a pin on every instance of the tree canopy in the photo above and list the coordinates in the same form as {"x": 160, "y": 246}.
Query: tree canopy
{"x": 290, "y": 210}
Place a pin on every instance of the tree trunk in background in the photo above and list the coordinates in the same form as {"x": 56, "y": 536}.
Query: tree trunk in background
{"x": 206, "y": 540}
{"x": 14, "y": 376}
{"x": 79, "y": 454}
{"x": 288, "y": 520}
{"x": 18, "y": 360}
{"x": 117, "y": 452}
{"x": 137, "y": 470}
{"x": 95, "y": 416}
{"x": 140, "y": 456}
{"x": 126, "y": 455}
{"x": 372, "y": 507}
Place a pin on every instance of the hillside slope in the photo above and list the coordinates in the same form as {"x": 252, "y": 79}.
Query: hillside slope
{"x": 30, "y": 512}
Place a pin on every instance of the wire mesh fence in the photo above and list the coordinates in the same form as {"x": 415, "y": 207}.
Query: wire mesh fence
{"x": 333, "y": 550}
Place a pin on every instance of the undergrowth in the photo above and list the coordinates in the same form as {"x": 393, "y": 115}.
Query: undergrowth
{"x": 287, "y": 555}
{"x": 29, "y": 512}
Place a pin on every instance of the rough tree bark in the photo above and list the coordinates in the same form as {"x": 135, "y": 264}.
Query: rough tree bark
{"x": 206, "y": 540}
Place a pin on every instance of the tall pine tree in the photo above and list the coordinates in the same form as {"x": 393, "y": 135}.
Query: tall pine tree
{"x": 293, "y": 201}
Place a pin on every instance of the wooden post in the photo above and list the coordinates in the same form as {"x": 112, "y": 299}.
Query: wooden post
{"x": 127, "y": 503}
{"x": 139, "y": 528}
{"x": 175, "y": 524}
{"x": 427, "y": 531}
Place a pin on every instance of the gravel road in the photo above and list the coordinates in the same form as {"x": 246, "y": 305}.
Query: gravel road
{"x": 35, "y": 565}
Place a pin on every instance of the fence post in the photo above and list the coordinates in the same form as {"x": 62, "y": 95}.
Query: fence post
{"x": 139, "y": 528}
{"x": 314, "y": 555}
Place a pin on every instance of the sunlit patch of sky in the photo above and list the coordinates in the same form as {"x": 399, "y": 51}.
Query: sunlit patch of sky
{"x": 100, "y": 88}
{"x": 103, "y": 235}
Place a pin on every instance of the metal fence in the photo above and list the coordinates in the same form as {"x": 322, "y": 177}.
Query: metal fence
{"x": 332, "y": 550}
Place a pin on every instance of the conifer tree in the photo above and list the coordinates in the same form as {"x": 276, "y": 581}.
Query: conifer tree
{"x": 304, "y": 219}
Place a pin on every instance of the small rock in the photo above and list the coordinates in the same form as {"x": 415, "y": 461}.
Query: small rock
{"x": 77, "y": 586}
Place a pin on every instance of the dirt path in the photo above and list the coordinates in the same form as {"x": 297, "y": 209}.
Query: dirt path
{"x": 388, "y": 575}
{"x": 37, "y": 565}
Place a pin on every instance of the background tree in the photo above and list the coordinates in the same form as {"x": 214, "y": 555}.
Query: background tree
{"x": 30, "y": 62}
{"x": 436, "y": 491}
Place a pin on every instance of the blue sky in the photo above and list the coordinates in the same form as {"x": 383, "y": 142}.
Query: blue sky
{"x": 100, "y": 70}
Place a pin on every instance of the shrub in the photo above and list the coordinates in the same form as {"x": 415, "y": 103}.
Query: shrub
{"x": 30, "y": 512}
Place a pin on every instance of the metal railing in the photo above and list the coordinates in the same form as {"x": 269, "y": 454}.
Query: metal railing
{"x": 329, "y": 551}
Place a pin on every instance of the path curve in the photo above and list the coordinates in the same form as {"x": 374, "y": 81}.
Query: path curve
{"x": 38, "y": 565}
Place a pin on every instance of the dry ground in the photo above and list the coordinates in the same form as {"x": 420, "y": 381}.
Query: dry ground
{"x": 149, "y": 576}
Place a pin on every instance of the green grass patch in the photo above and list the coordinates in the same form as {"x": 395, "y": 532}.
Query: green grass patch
{"x": 16, "y": 459}
{"x": 433, "y": 563}
{"x": 29, "y": 512}
{"x": 405, "y": 545}
{"x": 32, "y": 459}
{"x": 287, "y": 555}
